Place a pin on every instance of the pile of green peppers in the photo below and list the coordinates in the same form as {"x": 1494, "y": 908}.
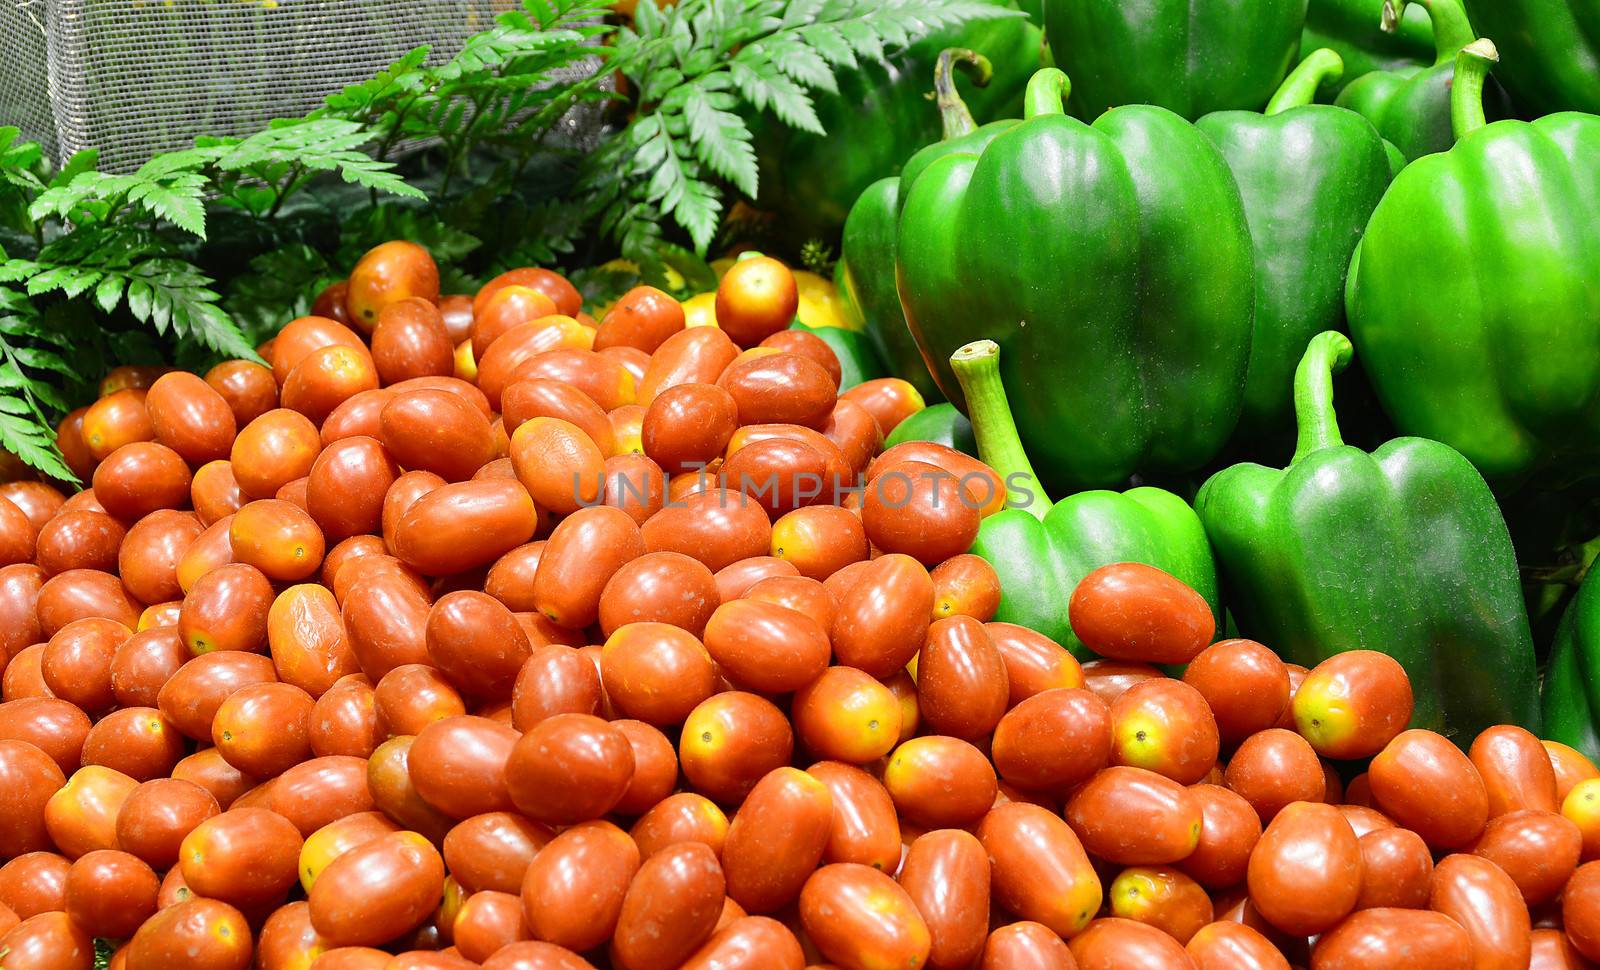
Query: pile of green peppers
{"x": 1142, "y": 290}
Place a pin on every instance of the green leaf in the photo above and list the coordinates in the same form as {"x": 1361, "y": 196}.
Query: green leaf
{"x": 722, "y": 138}
{"x": 31, "y": 439}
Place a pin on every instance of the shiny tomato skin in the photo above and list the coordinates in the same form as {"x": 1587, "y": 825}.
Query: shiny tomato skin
{"x": 573, "y": 891}
{"x": 208, "y": 770}
{"x": 79, "y": 539}
{"x": 643, "y": 317}
{"x": 410, "y": 340}
{"x": 273, "y": 450}
{"x": 48, "y": 941}
{"x": 227, "y": 610}
{"x": 776, "y": 839}
{"x": 54, "y": 726}
{"x": 1026, "y": 945}
{"x": 34, "y": 883}
{"x": 1353, "y": 704}
{"x": 492, "y": 851}
{"x": 1580, "y": 910}
{"x": 307, "y": 639}
{"x": 1245, "y": 685}
{"x": 946, "y": 874}
{"x": 961, "y": 679}
{"x": 859, "y": 917}
{"x": 287, "y": 940}
{"x": 388, "y": 273}
{"x": 1538, "y": 850}
{"x": 76, "y": 663}
{"x": 864, "y": 827}
{"x": 820, "y": 540}
{"x": 556, "y": 679}
{"x": 1131, "y": 816}
{"x": 346, "y": 486}
{"x": 569, "y": 768}
{"x": 730, "y": 741}
{"x": 377, "y": 891}
{"x": 1165, "y": 726}
{"x": 1034, "y": 662}
{"x": 82, "y": 815}
{"x": 1131, "y": 611}
{"x": 462, "y": 526}
{"x": 846, "y": 715}
{"x": 334, "y": 839}
{"x": 437, "y": 431}
{"x": 749, "y": 943}
{"x": 191, "y": 698}
{"x": 756, "y": 298}
{"x": 148, "y": 558}
{"x": 344, "y": 721}
{"x": 1274, "y": 768}
{"x": 655, "y": 767}
{"x": 320, "y": 791}
{"x": 718, "y": 527}
{"x": 1305, "y": 872}
{"x": 965, "y": 585}
{"x": 80, "y": 593}
{"x": 477, "y": 643}
{"x": 30, "y": 777}
{"x": 659, "y": 587}
{"x": 1516, "y": 771}
{"x": 940, "y": 782}
{"x": 1374, "y": 938}
{"x": 581, "y": 556}
{"x": 1110, "y": 943}
{"x": 686, "y": 427}
{"x": 110, "y": 893}
{"x": 1479, "y": 895}
{"x": 765, "y": 647}
{"x": 1077, "y": 725}
{"x": 137, "y": 741}
{"x": 215, "y": 492}
{"x": 412, "y": 696}
{"x": 246, "y": 857}
{"x": 1397, "y": 869}
{"x": 535, "y": 398}
{"x": 385, "y": 620}
{"x": 117, "y": 419}
{"x": 1229, "y": 830}
{"x": 684, "y": 817}
{"x": 1040, "y": 871}
{"x": 395, "y": 794}
{"x": 883, "y": 620}
{"x": 694, "y": 356}
{"x": 671, "y": 907}
{"x": 248, "y": 387}
{"x": 459, "y": 765}
{"x": 1226, "y": 945}
{"x": 1162, "y": 897}
{"x": 1426, "y": 784}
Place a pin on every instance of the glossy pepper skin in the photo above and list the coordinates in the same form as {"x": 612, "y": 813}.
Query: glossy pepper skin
{"x": 1189, "y": 56}
{"x": 1310, "y": 176}
{"x": 1111, "y": 263}
{"x": 1042, "y": 550}
{"x": 1411, "y": 106}
{"x": 1402, "y": 550}
{"x": 1472, "y": 297}
{"x": 879, "y": 116}
{"x": 1571, "y": 695}
{"x": 940, "y": 423}
{"x": 865, "y": 274}
{"x": 1352, "y": 29}
{"x": 1552, "y": 50}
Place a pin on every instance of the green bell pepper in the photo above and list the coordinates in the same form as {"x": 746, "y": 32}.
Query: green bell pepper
{"x": 878, "y": 117}
{"x": 1190, "y": 56}
{"x": 1411, "y": 106}
{"x": 865, "y": 273}
{"x": 1472, "y": 296}
{"x": 1571, "y": 693}
{"x": 940, "y": 423}
{"x": 1112, "y": 264}
{"x": 1552, "y": 50}
{"x": 1042, "y": 550}
{"x": 1351, "y": 28}
{"x": 1402, "y": 550}
{"x": 1310, "y": 175}
{"x": 858, "y": 362}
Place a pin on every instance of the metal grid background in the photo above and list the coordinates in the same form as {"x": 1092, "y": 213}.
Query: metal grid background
{"x": 133, "y": 78}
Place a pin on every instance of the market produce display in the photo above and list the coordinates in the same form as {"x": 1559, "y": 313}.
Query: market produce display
{"x": 1161, "y": 539}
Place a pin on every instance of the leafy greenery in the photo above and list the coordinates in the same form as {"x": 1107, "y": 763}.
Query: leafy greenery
{"x": 203, "y": 253}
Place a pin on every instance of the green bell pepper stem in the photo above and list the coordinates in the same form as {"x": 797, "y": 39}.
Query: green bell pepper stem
{"x": 977, "y": 367}
{"x": 1451, "y": 29}
{"x": 1327, "y": 354}
{"x": 1047, "y": 93}
{"x": 953, "y": 112}
{"x": 1466, "y": 90}
{"x": 1321, "y": 66}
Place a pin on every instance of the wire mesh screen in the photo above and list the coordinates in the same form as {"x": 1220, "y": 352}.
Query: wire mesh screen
{"x": 133, "y": 78}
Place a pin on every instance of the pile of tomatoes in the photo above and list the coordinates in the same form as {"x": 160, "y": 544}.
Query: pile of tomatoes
{"x": 472, "y": 632}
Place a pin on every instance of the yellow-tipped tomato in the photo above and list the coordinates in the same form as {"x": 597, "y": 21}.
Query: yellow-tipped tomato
{"x": 1582, "y": 808}
{"x": 1353, "y": 703}
{"x": 700, "y": 310}
{"x": 1161, "y": 897}
{"x": 847, "y": 715}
